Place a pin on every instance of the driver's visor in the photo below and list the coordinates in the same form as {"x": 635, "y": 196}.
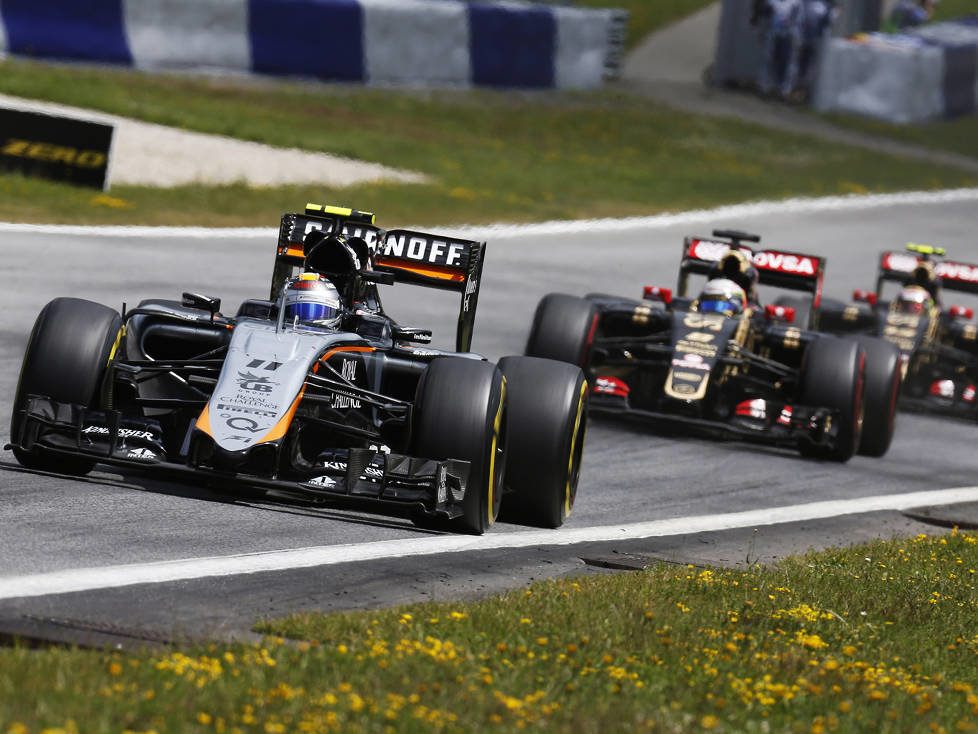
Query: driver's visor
{"x": 313, "y": 312}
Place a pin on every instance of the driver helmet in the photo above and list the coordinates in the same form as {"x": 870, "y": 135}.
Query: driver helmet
{"x": 723, "y": 296}
{"x": 914, "y": 299}
{"x": 312, "y": 300}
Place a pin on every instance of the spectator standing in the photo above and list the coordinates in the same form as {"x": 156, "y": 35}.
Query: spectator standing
{"x": 782, "y": 28}
{"x": 819, "y": 15}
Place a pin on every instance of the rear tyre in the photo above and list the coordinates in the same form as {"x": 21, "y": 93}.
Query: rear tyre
{"x": 547, "y": 422}
{"x": 880, "y": 395}
{"x": 563, "y": 328}
{"x": 69, "y": 348}
{"x": 832, "y": 377}
{"x": 460, "y": 413}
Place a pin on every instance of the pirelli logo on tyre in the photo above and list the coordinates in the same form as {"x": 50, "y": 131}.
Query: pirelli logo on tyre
{"x": 60, "y": 148}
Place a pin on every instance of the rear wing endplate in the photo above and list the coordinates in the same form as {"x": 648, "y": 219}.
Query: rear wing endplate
{"x": 430, "y": 260}
{"x": 440, "y": 262}
{"x": 954, "y": 276}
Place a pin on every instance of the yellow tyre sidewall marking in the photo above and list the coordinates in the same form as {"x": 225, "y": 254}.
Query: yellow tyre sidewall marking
{"x": 497, "y": 421}
{"x": 570, "y": 459}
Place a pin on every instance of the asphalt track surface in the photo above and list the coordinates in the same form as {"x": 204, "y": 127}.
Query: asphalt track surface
{"x": 55, "y": 528}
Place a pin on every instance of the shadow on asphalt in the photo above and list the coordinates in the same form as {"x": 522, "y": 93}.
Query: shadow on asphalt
{"x": 176, "y": 485}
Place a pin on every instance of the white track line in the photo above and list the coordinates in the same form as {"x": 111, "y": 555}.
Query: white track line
{"x": 87, "y": 579}
{"x": 852, "y": 202}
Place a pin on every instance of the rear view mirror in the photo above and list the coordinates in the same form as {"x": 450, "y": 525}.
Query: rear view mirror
{"x": 206, "y": 303}
{"x": 655, "y": 293}
{"x": 410, "y": 334}
{"x": 780, "y": 313}
{"x": 861, "y": 296}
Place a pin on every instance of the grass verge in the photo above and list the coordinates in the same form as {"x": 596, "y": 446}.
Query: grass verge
{"x": 881, "y": 636}
{"x": 957, "y": 135}
{"x": 492, "y": 156}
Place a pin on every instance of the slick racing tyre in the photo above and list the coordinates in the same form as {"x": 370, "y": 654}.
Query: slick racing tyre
{"x": 547, "y": 417}
{"x": 563, "y": 328}
{"x": 832, "y": 376}
{"x": 460, "y": 413}
{"x": 882, "y": 388}
{"x": 69, "y": 348}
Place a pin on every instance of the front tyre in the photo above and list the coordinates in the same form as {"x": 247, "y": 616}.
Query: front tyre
{"x": 832, "y": 376}
{"x": 66, "y": 358}
{"x": 460, "y": 413}
{"x": 563, "y": 329}
{"x": 880, "y": 395}
{"x": 547, "y": 422}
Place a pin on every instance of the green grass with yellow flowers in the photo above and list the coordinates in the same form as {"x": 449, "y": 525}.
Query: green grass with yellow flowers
{"x": 882, "y": 636}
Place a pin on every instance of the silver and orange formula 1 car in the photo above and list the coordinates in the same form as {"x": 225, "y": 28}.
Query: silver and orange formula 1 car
{"x": 938, "y": 343}
{"x": 743, "y": 371}
{"x": 346, "y": 410}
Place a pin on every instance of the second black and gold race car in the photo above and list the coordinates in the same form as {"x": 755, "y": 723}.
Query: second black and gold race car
{"x": 938, "y": 343}
{"x": 720, "y": 362}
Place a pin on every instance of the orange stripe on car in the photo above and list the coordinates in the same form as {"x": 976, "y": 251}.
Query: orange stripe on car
{"x": 291, "y": 251}
{"x": 429, "y": 271}
{"x": 279, "y": 429}
{"x": 204, "y": 421}
{"x": 331, "y": 352}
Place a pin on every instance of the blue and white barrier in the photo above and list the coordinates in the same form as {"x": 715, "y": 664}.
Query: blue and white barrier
{"x": 447, "y": 42}
{"x": 928, "y": 73}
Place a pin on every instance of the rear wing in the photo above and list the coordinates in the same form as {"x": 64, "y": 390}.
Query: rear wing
{"x": 440, "y": 262}
{"x": 434, "y": 261}
{"x": 954, "y": 276}
{"x": 777, "y": 268}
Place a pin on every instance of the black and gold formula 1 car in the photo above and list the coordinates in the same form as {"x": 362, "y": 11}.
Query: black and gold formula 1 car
{"x": 938, "y": 343}
{"x": 746, "y": 371}
{"x": 314, "y": 393}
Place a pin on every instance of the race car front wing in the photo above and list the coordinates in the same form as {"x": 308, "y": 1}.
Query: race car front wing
{"x": 786, "y": 426}
{"x": 373, "y": 479}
